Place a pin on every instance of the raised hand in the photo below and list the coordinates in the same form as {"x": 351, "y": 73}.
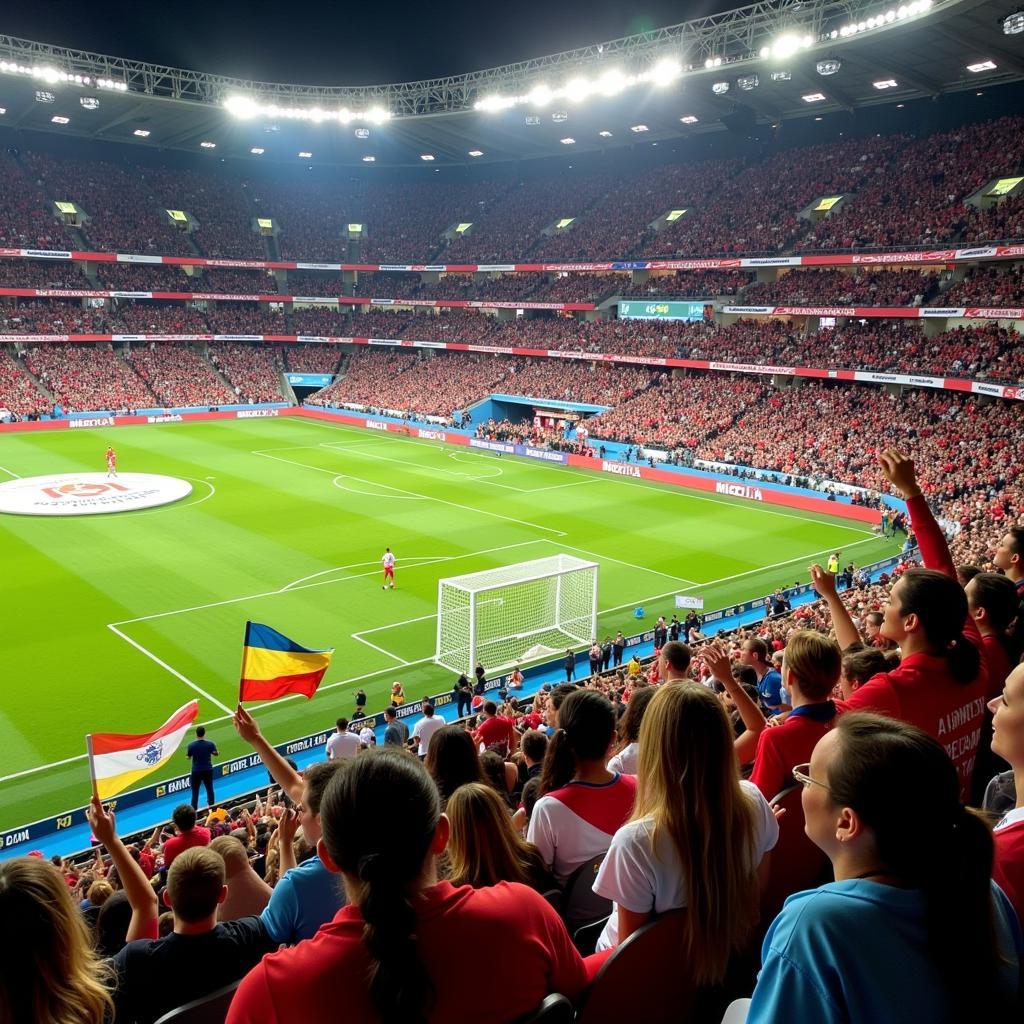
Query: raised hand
{"x": 824, "y": 582}
{"x": 900, "y": 472}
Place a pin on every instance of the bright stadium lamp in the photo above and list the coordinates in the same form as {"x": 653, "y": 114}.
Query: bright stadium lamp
{"x": 540, "y": 95}
{"x": 1013, "y": 24}
{"x": 665, "y": 72}
{"x": 828, "y": 67}
{"x": 720, "y": 88}
{"x": 241, "y": 106}
{"x": 748, "y": 82}
{"x": 611, "y": 82}
{"x": 577, "y": 89}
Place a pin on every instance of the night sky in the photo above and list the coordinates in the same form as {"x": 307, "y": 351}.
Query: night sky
{"x": 340, "y": 42}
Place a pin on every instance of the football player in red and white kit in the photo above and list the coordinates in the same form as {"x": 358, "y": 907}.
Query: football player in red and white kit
{"x": 111, "y": 462}
{"x": 388, "y": 562}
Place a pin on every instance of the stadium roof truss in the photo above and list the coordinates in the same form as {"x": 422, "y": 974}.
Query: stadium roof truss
{"x": 926, "y": 53}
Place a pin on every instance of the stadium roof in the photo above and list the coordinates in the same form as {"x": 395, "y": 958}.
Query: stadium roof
{"x": 768, "y": 54}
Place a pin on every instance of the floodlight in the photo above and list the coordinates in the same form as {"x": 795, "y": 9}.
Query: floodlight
{"x": 639, "y": 128}
{"x": 567, "y": 141}
{"x": 45, "y": 97}
{"x": 540, "y": 95}
{"x": 984, "y": 65}
{"x": 60, "y": 120}
{"x": 304, "y": 154}
{"x": 1013, "y": 24}
{"x": 577, "y": 89}
{"x": 369, "y": 159}
{"x": 781, "y": 76}
{"x": 531, "y": 120}
{"x": 362, "y": 133}
{"x": 208, "y": 145}
{"x": 89, "y": 102}
{"x": 256, "y": 151}
{"x": 476, "y": 152}
{"x": 560, "y": 117}
{"x": 813, "y": 97}
{"x": 428, "y": 157}
{"x": 713, "y": 62}
{"x": 828, "y": 67}
{"x": 3, "y": 110}
{"x": 611, "y": 82}
{"x": 142, "y": 133}
{"x": 785, "y": 46}
{"x": 690, "y": 119}
{"x": 241, "y": 106}
{"x": 664, "y": 72}
{"x": 748, "y": 82}
{"x": 605, "y": 134}
{"x": 885, "y": 83}
{"x": 720, "y": 88}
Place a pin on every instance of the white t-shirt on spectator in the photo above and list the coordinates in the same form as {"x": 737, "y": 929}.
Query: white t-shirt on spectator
{"x": 625, "y": 760}
{"x": 424, "y": 729}
{"x": 342, "y": 744}
{"x": 646, "y": 880}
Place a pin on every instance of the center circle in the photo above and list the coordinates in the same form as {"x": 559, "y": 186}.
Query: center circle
{"x": 85, "y": 494}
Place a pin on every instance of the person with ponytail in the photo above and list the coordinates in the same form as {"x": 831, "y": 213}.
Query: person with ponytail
{"x": 912, "y": 929}
{"x": 582, "y": 802}
{"x": 697, "y": 837}
{"x": 941, "y": 681}
{"x": 387, "y": 956}
{"x": 624, "y": 757}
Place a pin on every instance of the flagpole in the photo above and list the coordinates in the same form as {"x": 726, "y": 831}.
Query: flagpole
{"x": 92, "y": 767}
{"x": 245, "y": 651}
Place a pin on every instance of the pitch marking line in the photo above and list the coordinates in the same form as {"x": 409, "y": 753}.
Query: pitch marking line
{"x": 414, "y": 494}
{"x": 9, "y": 473}
{"x": 174, "y": 672}
{"x": 401, "y": 661}
{"x": 631, "y": 565}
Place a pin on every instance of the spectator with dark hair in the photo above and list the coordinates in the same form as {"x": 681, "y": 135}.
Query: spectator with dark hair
{"x": 452, "y": 760}
{"x": 49, "y": 970}
{"x": 913, "y": 908}
{"x": 1009, "y": 557}
{"x": 754, "y": 653}
{"x": 940, "y": 683}
{"x": 390, "y": 951}
{"x": 583, "y": 803}
{"x": 570, "y": 666}
{"x": 201, "y": 956}
{"x": 462, "y": 694}
{"x": 533, "y": 745}
{"x": 496, "y": 732}
{"x": 308, "y": 893}
{"x": 248, "y": 894}
{"x": 425, "y": 728}
{"x": 674, "y": 661}
{"x": 396, "y": 733}
{"x": 1008, "y": 742}
{"x": 201, "y": 753}
{"x": 625, "y": 755}
{"x": 341, "y": 743}
{"x": 484, "y": 847}
{"x": 859, "y": 664}
{"x": 555, "y": 701}
{"x": 697, "y": 837}
{"x": 189, "y": 833}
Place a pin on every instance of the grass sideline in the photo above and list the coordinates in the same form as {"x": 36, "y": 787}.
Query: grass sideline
{"x": 113, "y": 621}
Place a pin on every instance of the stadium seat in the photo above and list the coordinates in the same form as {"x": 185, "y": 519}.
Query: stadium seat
{"x": 210, "y": 1009}
{"x": 555, "y": 1009}
{"x": 580, "y": 904}
{"x": 643, "y": 979}
{"x": 796, "y": 863}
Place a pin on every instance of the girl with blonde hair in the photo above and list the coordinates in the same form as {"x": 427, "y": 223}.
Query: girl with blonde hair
{"x": 49, "y": 972}
{"x": 698, "y": 837}
{"x": 484, "y": 847}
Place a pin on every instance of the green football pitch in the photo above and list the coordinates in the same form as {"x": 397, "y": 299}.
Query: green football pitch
{"x": 110, "y": 622}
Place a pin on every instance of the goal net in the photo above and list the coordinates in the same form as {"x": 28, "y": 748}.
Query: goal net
{"x": 516, "y": 613}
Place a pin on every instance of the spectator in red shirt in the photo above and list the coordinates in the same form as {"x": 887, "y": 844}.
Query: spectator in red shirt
{"x": 390, "y": 950}
{"x": 189, "y": 833}
{"x": 810, "y": 672}
{"x": 495, "y": 731}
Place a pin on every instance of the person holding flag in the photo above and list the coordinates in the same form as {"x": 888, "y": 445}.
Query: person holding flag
{"x": 388, "y": 562}
{"x": 274, "y": 666}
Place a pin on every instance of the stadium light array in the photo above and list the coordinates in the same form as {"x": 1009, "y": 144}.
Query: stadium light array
{"x": 245, "y": 107}
{"x": 1013, "y": 24}
{"x": 787, "y": 45}
{"x": 609, "y": 83}
{"x": 54, "y": 76}
{"x": 888, "y": 17}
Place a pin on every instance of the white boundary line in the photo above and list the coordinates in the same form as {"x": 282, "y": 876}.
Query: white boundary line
{"x": 174, "y": 672}
{"x": 401, "y": 661}
{"x": 631, "y": 565}
{"x": 9, "y": 473}
{"x": 418, "y": 559}
{"x": 414, "y": 494}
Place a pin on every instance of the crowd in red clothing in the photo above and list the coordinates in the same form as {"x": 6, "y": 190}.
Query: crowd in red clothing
{"x": 836, "y": 287}
{"x": 253, "y": 370}
{"x": 178, "y": 375}
{"x": 988, "y": 286}
{"x": 82, "y": 378}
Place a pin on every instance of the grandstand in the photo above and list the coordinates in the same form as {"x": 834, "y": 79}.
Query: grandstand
{"x": 734, "y": 323}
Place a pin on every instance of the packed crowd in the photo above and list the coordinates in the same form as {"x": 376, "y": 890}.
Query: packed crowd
{"x": 988, "y": 286}
{"x": 246, "y": 318}
{"x": 697, "y": 284}
{"x": 254, "y": 371}
{"x": 82, "y": 378}
{"x": 835, "y": 287}
{"x": 178, "y": 375}
{"x": 19, "y": 395}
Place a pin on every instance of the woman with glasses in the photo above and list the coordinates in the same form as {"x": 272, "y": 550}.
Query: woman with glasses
{"x": 912, "y": 929}
{"x": 698, "y": 836}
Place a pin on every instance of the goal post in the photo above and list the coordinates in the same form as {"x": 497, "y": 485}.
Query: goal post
{"x": 516, "y": 613}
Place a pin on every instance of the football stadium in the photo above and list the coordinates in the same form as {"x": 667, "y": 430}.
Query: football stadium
{"x": 573, "y": 506}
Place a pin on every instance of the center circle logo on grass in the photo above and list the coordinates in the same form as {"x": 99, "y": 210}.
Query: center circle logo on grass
{"x": 83, "y": 494}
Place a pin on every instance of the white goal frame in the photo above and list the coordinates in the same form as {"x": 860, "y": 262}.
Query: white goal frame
{"x": 561, "y": 591}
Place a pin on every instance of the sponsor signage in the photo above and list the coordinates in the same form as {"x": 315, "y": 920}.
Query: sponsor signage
{"x": 252, "y": 414}
{"x": 739, "y": 491}
{"x": 311, "y": 380}
{"x": 432, "y": 435}
{"x": 620, "y": 468}
{"x": 632, "y": 310}
{"x": 94, "y": 421}
{"x": 83, "y": 494}
{"x": 686, "y": 601}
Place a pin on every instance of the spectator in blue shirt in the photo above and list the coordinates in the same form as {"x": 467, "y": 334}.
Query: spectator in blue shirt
{"x": 201, "y": 752}
{"x": 308, "y": 895}
{"x": 913, "y": 928}
{"x": 755, "y": 653}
